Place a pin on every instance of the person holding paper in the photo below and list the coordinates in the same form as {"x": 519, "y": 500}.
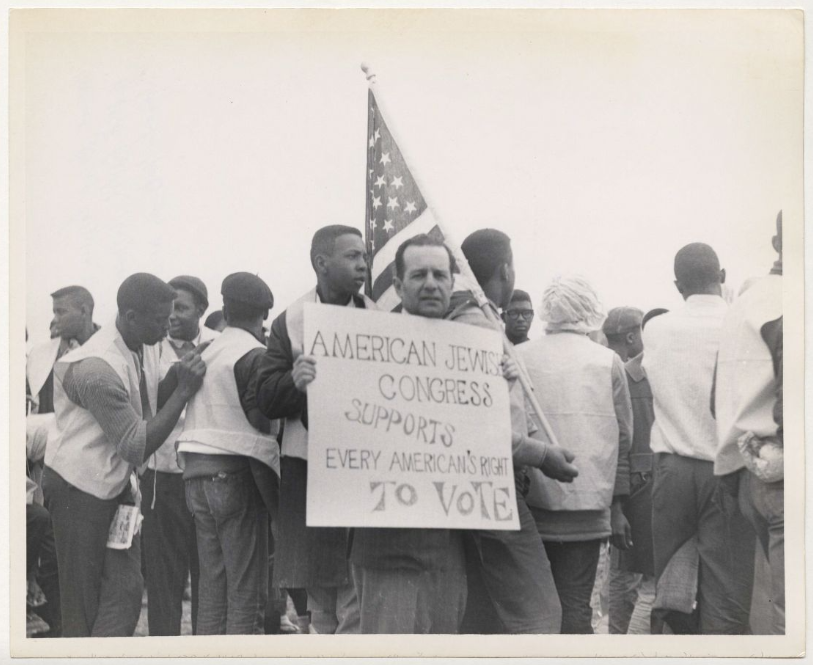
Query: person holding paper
{"x": 311, "y": 557}
{"x": 413, "y": 580}
{"x": 106, "y": 401}
{"x": 511, "y": 589}
{"x": 230, "y": 460}
{"x": 170, "y": 546}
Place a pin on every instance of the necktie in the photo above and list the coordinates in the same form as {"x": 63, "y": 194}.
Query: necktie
{"x": 146, "y": 411}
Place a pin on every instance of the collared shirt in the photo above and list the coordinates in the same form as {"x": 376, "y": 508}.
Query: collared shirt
{"x": 681, "y": 351}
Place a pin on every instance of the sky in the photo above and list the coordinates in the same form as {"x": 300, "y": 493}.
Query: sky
{"x": 601, "y": 142}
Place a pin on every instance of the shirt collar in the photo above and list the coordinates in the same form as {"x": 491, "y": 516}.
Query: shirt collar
{"x": 179, "y": 343}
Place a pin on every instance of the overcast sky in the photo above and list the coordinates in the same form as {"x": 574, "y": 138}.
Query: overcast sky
{"x": 601, "y": 142}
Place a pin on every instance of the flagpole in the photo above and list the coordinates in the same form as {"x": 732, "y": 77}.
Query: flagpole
{"x": 460, "y": 259}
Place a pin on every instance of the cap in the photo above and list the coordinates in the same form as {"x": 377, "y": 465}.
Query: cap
{"x": 193, "y": 285}
{"x": 248, "y": 289}
{"x": 622, "y": 319}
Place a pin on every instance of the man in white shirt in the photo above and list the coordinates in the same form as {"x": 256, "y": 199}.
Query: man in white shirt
{"x": 170, "y": 545}
{"x": 681, "y": 350}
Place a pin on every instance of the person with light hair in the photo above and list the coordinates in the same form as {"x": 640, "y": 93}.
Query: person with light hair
{"x": 583, "y": 391}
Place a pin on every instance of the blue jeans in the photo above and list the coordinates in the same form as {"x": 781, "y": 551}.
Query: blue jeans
{"x": 231, "y": 522}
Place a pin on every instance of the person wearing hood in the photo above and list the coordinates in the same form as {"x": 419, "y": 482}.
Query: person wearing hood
{"x": 582, "y": 389}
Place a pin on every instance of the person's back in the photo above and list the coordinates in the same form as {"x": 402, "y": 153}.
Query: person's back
{"x": 687, "y": 501}
{"x": 681, "y": 349}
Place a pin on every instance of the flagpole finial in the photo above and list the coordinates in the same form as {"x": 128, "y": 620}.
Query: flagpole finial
{"x": 368, "y": 72}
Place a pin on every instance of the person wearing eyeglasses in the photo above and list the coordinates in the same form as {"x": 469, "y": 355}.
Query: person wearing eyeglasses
{"x": 518, "y": 317}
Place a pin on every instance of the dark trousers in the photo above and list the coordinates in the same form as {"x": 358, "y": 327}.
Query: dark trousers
{"x": 411, "y": 601}
{"x": 574, "y": 566}
{"x": 41, "y": 564}
{"x": 688, "y": 500}
{"x": 100, "y": 588}
{"x": 510, "y": 586}
{"x": 170, "y": 551}
{"x": 231, "y": 523}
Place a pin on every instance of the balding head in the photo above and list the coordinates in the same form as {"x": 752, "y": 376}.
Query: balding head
{"x": 697, "y": 271}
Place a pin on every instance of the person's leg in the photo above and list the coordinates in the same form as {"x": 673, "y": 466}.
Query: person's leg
{"x": 388, "y": 601}
{"x": 640, "y": 622}
{"x": 348, "y": 614}
{"x": 446, "y": 591}
{"x": 574, "y": 566}
{"x": 42, "y": 564}
{"x": 767, "y": 502}
{"x": 623, "y": 593}
{"x": 517, "y": 575}
{"x": 725, "y": 543}
{"x": 121, "y": 592}
{"x": 322, "y": 609}
{"x": 212, "y": 595}
{"x": 81, "y": 523}
{"x": 300, "y": 600}
{"x": 242, "y": 528}
{"x": 165, "y": 532}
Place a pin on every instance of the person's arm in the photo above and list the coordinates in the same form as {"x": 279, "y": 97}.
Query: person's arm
{"x": 245, "y": 375}
{"x": 621, "y": 530}
{"x": 772, "y": 335}
{"x": 276, "y": 394}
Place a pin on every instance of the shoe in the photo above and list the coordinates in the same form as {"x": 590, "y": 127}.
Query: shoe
{"x": 34, "y": 596}
{"x": 286, "y": 626}
{"x": 34, "y": 625}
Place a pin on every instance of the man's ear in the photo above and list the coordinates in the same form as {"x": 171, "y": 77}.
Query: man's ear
{"x": 319, "y": 264}
{"x": 504, "y": 268}
{"x": 398, "y": 284}
{"x": 629, "y": 338}
{"x": 722, "y": 276}
{"x": 678, "y": 287}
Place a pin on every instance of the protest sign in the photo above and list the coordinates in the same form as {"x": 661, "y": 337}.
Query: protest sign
{"x": 409, "y": 423}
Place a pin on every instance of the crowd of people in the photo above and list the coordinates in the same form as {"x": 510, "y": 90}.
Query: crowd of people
{"x": 670, "y": 447}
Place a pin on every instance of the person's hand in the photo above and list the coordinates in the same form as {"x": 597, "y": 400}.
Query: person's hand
{"x": 510, "y": 369}
{"x": 191, "y": 370}
{"x": 200, "y": 348}
{"x": 622, "y": 532}
{"x": 557, "y": 465}
{"x": 304, "y": 372}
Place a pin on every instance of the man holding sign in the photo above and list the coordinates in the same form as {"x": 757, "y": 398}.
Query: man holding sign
{"x": 413, "y": 580}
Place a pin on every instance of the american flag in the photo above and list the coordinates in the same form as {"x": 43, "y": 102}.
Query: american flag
{"x": 396, "y": 209}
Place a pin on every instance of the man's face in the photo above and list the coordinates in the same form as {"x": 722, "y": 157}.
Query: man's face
{"x": 69, "y": 318}
{"x": 518, "y": 317}
{"x": 346, "y": 268}
{"x": 151, "y": 325}
{"x": 184, "y": 321}
{"x": 426, "y": 287}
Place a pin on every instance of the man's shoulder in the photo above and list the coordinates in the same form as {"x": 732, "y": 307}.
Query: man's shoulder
{"x": 208, "y": 335}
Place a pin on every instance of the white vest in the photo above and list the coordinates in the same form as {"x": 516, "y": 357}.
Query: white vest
{"x": 572, "y": 377}
{"x": 214, "y": 416}
{"x": 80, "y": 452}
{"x": 165, "y": 458}
{"x": 745, "y": 388}
{"x": 295, "y": 436}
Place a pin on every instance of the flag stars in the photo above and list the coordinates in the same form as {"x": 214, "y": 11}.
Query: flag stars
{"x": 371, "y": 142}
{"x": 381, "y": 181}
{"x": 373, "y": 224}
{"x": 377, "y": 135}
{"x": 397, "y": 182}
{"x": 376, "y": 202}
{"x": 410, "y": 207}
{"x": 393, "y": 203}
{"x": 385, "y": 158}
{"x": 388, "y": 227}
